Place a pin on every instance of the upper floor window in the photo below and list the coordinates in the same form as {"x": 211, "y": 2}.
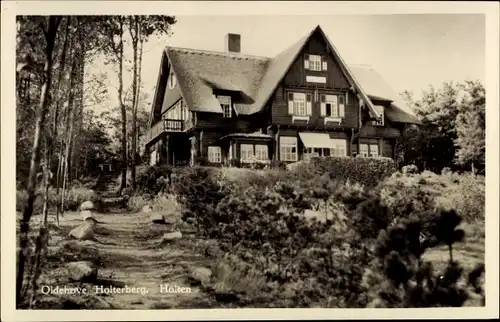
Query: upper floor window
{"x": 288, "y": 148}
{"x": 381, "y": 121}
{"x": 333, "y": 105}
{"x": 315, "y": 63}
{"x": 299, "y": 104}
{"x": 172, "y": 81}
{"x": 225, "y": 103}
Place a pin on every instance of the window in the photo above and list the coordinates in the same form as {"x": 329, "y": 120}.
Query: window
{"x": 299, "y": 104}
{"x": 340, "y": 149}
{"x": 288, "y": 148}
{"x": 370, "y": 150}
{"x": 261, "y": 152}
{"x": 374, "y": 150}
{"x": 225, "y": 103}
{"x": 172, "y": 81}
{"x": 315, "y": 63}
{"x": 333, "y": 105}
{"x": 381, "y": 122}
{"x": 214, "y": 154}
{"x": 246, "y": 152}
{"x": 314, "y": 152}
{"x": 363, "y": 150}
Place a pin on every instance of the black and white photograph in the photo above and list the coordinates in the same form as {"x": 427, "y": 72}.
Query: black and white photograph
{"x": 166, "y": 161}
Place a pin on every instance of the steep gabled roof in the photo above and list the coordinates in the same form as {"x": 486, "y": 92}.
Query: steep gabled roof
{"x": 256, "y": 78}
{"x": 200, "y": 72}
{"x": 378, "y": 89}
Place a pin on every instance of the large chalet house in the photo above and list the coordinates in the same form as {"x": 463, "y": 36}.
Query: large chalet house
{"x": 223, "y": 106}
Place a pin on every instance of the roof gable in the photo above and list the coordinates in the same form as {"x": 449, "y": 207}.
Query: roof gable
{"x": 199, "y": 73}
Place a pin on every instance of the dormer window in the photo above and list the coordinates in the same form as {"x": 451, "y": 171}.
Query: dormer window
{"x": 225, "y": 104}
{"x": 379, "y": 122}
{"x": 315, "y": 63}
{"x": 172, "y": 81}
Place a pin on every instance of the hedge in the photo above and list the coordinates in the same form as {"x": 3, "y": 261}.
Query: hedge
{"x": 367, "y": 171}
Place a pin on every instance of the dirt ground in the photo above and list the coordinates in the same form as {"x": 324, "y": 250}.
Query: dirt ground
{"x": 131, "y": 255}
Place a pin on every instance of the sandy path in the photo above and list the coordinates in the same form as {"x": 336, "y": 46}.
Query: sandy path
{"x": 133, "y": 256}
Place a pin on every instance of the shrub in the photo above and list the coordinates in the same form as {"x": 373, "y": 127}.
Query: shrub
{"x": 399, "y": 277}
{"x": 410, "y": 169}
{"x": 367, "y": 171}
{"x": 154, "y": 179}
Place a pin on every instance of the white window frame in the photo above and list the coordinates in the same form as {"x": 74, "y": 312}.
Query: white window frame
{"x": 337, "y": 105}
{"x": 287, "y": 145}
{"x": 362, "y": 151}
{"x": 261, "y": 152}
{"x": 372, "y": 148}
{"x": 300, "y": 105}
{"x": 226, "y": 105}
{"x": 340, "y": 147}
{"x": 246, "y": 152}
{"x": 381, "y": 122}
{"x": 315, "y": 63}
{"x": 214, "y": 154}
{"x": 172, "y": 80}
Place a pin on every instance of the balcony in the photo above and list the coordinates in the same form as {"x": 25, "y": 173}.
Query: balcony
{"x": 165, "y": 125}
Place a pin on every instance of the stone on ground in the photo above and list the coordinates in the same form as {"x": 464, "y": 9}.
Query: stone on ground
{"x": 83, "y": 271}
{"x": 86, "y": 214}
{"x": 172, "y": 236}
{"x": 83, "y": 232}
{"x": 201, "y": 275}
{"x": 147, "y": 209}
{"x": 157, "y": 218}
{"x": 87, "y": 205}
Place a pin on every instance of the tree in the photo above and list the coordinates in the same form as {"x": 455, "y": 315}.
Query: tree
{"x": 49, "y": 27}
{"x": 470, "y": 126}
{"x": 141, "y": 28}
{"x": 452, "y": 130}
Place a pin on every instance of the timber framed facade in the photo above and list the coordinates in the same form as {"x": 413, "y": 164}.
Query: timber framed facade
{"x": 221, "y": 107}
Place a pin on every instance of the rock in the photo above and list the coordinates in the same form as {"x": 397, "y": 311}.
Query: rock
{"x": 147, "y": 209}
{"x": 201, "y": 275}
{"x": 170, "y": 219}
{"x": 83, "y": 271}
{"x": 86, "y": 214}
{"x": 157, "y": 218}
{"x": 171, "y": 236}
{"x": 83, "y": 232}
{"x": 87, "y": 205}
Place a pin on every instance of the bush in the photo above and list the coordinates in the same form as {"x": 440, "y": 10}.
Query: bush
{"x": 367, "y": 171}
{"x": 154, "y": 179}
{"x": 75, "y": 196}
{"x": 410, "y": 169}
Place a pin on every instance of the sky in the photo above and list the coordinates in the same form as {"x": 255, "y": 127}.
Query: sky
{"x": 410, "y": 51}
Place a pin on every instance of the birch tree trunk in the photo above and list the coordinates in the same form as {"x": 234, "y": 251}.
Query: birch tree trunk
{"x": 123, "y": 183}
{"x": 50, "y": 37}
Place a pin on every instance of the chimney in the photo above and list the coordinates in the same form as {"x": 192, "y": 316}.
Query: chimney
{"x": 233, "y": 43}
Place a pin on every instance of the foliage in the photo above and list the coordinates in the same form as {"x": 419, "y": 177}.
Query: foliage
{"x": 399, "y": 277}
{"x": 452, "y": 133}
{"x": 367, "y": 171}
{"x": 74, "y": 198}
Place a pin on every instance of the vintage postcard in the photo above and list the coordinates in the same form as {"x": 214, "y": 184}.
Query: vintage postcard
{"x": 215, "y": 160}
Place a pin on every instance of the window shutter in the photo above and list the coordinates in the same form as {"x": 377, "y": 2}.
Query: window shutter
{"x": 323, "y": 105}
{"x": 341, "y": 106}
{"x": 306, "y": 61}
{"x": 308, "y": 104}
{"x": 325, "y": 65}
{"x": 290, "y": 103}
